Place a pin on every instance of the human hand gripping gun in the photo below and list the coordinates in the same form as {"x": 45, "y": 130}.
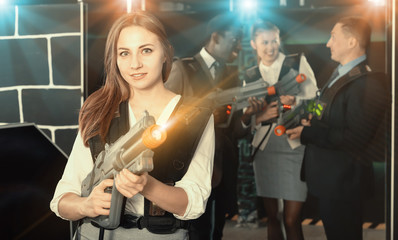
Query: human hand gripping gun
{"x": 236, "y": 98}
{"x": 131, "y": 151}
{"x": 292, "y": 118}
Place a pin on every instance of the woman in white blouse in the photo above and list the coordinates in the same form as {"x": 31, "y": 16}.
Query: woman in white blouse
{"x": 278, "y": 160}
{"x": 138, "y": 60}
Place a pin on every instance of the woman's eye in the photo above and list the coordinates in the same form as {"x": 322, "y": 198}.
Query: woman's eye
{"x": 146, "y": 50}
{"x": 124, "y": 53}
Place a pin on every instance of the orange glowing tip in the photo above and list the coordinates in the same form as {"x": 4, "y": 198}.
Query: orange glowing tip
{"x": 286, "y": 107}
{"x": 301, "y": 78}
{"x": 279, "y": 130}
{"x": 229, "y": 107}
{"x": 154, "y": 136}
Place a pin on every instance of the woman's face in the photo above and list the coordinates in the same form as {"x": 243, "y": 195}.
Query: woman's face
{"x": 266, "y": 44}
{"x": 140, "y": 57}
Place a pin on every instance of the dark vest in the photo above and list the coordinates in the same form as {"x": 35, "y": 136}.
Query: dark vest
{"x": 172, "y": 159}
{"x": 291, "y": 61}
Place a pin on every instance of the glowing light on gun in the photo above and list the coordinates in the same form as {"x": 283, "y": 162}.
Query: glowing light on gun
{"x": 279, "y": 130}
{"x": 229, "y": 109}
{"x": 286, "y": 107}
{"x": 154, "y": 136}
{"x": 301, "y": 78}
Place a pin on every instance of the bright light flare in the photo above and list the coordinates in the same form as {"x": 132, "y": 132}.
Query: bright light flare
{"x": 3, "y": 3}
{"x": 378, "y": 2}
{"x": 129, "y": 5}
{"x": 248, "y": 5}
{"x": 154, "y": 136}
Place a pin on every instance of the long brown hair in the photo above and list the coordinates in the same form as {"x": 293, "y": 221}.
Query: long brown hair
{"x": 100, "y": 107}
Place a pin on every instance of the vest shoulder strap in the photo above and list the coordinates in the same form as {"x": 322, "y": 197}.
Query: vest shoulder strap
{"x": 118, "y": 127}
{"x": 330, "y": 93}
{"x": 252, "y": 74}
{"x": 291, "y": 61}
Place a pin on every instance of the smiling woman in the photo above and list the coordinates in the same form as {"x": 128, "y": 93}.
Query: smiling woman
{"x": 158, "y": 204}
{"x": 140, "y": 57}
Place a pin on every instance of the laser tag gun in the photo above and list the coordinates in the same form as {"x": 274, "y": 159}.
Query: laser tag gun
{"x": 131, "y": 151}
{"x": 236, "y": 98}
{"x": 292, "y": 118}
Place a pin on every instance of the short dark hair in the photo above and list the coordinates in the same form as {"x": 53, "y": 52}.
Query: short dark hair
{"x": 359, "y": 28}
{"x": 222, "y": 23}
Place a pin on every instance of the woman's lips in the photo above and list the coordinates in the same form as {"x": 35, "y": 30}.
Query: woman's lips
{"x": 138, "y": 76}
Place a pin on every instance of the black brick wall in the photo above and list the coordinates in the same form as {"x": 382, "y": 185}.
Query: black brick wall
{"x": 47, "y": 19}
{"x": 23, "y": 62}
{"x": 7, "y": 21}
{"x": 40, "y": 61}
{"x": 66, "y": 60}
{"x": 51, "y": 106}
{"x": 63, "y": 138}
{"x": 9, "y": 106}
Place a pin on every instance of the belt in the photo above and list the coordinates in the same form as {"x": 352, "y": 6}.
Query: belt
{"x": 154, "y": 224}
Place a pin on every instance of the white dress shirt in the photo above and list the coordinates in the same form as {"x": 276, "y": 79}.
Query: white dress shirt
{"x": 209, "y": 60}
{"x": 196, "y": 181}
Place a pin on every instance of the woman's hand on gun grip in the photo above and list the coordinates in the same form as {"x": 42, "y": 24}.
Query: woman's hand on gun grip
{"x": 270, "y": 112}
{"x": 129, "y": 184}
{"x": 288, "y": 100}
{"x": 99, "y": 201}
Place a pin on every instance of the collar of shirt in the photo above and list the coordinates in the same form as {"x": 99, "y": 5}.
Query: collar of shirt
{"x": 270, "y": 74}
{"x": 344, "y": 69}
{"x": 164, "y": 116}
{"x": 209, "y": 60}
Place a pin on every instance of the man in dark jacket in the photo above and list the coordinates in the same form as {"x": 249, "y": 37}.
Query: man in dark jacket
{"x": 197, "y": 76}
{"x": 336, "y": 167}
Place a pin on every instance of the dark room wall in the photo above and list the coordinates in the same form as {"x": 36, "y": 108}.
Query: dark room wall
{"x": 41, "y": 68}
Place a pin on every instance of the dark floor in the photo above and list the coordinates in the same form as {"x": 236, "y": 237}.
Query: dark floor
{"x": 311, "y": 231}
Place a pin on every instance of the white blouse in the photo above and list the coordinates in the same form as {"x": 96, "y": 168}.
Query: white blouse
{"x": 196, "y": 181}
{"x": 308, "y": 90}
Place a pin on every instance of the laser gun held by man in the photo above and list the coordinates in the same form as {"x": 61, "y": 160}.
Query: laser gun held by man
{"x": 131, "y": 151}
{"x": 292, "y": 118}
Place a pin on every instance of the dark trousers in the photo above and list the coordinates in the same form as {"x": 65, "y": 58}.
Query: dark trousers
{"x": 342, "y": 219}
{"x": 210, "y": 225}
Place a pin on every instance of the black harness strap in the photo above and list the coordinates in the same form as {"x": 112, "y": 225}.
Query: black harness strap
{"x": 328, "y": 94}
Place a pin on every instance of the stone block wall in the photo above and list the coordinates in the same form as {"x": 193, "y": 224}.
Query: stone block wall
{"x": 41, "y": 68}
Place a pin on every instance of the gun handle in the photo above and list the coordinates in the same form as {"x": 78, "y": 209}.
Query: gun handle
{"x": 113, "y": 220}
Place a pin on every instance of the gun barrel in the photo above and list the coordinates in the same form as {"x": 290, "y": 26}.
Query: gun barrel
{"x": 301, "y": 78}
{"x": 151, "y": 138}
